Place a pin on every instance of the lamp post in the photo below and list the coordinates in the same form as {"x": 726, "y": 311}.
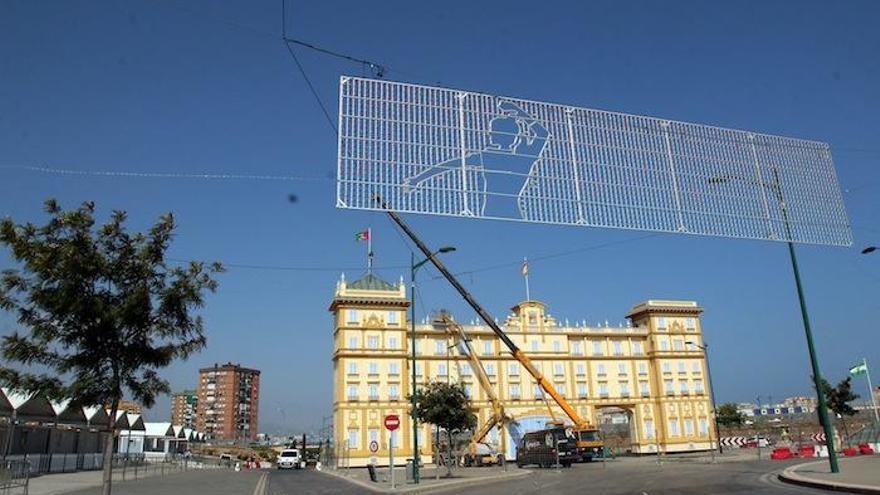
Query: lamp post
{"x": 414, "y": 267}
{"x": 776, "y": 189}
{"x": 705, "y": 349}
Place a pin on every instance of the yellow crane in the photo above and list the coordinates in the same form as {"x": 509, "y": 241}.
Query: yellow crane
{"x": 498, "y": 417}
{"x": 586, "y": 434}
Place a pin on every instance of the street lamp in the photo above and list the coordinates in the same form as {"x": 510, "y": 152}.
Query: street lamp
{"x": 776, "y": 189}
{"x": 705, "y": 349}
{"x": 414, "y": 267}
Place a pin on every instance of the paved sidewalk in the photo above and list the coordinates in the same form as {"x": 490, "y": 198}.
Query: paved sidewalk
{"x": 462, "y": 477}
{"x": 89, "y": 482}
{"x": 857, "y": 475}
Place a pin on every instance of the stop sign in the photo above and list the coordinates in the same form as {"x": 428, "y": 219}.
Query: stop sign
{"x": 392, "y": 422}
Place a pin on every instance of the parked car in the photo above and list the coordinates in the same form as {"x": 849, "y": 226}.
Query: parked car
{"x": 547, "y": 447}
{"x": 290, "y": 459}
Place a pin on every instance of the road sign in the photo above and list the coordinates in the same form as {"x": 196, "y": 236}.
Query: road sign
{"x": 374, "y": 446}
{"x": 460, "y": 153}
{"x": 392, "y": 422}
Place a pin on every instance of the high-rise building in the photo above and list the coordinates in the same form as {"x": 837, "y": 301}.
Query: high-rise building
{"x": 184, "y": 408}
{"x": 228, "y": 402}
{"x": 651, "y": 369}
{"x": 129, "y": 406}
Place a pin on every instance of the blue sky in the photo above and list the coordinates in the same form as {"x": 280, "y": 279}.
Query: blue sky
{"x": 197, "y": 86}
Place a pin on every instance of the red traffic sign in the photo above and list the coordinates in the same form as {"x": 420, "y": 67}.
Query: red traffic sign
{"x": 374, "y": 446}
{"x": 392, "y": 422}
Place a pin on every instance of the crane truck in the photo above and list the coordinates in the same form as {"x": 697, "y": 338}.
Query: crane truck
{"x": 586, "y": 435}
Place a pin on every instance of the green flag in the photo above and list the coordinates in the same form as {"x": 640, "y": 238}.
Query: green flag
{"x": 859, "y": 369}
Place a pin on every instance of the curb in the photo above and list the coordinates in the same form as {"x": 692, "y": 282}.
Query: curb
{"x": 788, "y": 475}
{"x": 459, "y": 483}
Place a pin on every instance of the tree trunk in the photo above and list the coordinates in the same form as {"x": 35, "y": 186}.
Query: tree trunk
{"x": 449, "y": 456}
{"x": 845, "y": 443}
{"x": 108, "y": 449}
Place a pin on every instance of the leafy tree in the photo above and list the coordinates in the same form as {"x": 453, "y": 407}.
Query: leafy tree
{"x": 838, "y": 398}
{"x": 728, "y": 415}
{"x": 447, "y": 406}
{"x": 102, "y": 308}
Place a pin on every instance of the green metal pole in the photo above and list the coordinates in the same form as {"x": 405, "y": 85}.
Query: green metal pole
{"x": 814, "y": 362}
{"x": 412, "y": 320}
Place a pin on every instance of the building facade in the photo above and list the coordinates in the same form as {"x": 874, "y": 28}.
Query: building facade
{"x": 184, "y": 407}
{"x": 652, "y": 369}
{"x": 228, "y": 398}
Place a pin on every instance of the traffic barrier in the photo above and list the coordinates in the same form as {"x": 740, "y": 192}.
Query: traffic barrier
{"x": 850, "y": 452}
{"x": 806, "y": 451}
{"x": 865, "y": 449}
{"x": 781, "y": 454}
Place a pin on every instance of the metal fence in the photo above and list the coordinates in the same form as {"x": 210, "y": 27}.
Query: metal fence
{"x": 14, "y": 476}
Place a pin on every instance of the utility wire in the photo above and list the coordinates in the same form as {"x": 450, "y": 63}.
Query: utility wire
{"x": 293, "y": 268}
{"x": 166, "y": 175}
{"x": 311, "y": 87}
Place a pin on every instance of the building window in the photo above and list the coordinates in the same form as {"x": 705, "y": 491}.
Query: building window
{"x": 392, "y": 342}
{"x": 393, "y": 369}
{"x": 643, "y": 389}
{"x": 664, "y": 345}
{"x": 374, "y": 368}
{"x": 689, "y": 427}
{"x": 577, "y": 349}
{"x": 582, "y": 390}
{"x": 373, "y": 435}
{"x": 669, "y": 389}
{"x": 643, "y": 369}
{"x": 487, "y": 348}
{"x": 441, "y": 369}
{"x": 637, "y": 348}
{"x": 558, "y": 369}
{"x": 352, "y": 392}
{"x": 600, "y": 369}
{"x": 393, "y": 392}
{"x": 352, "y": 439}
{"x": 695, "y": 367}
{"x": 704, "y": 427}
{"x": 490, "y": 369}
{"x": 673, "y": 427}
{"x": 466, "y": 369}
{"x": 373, "y": 342}
{"x": 560, "y": 387}
{"x": 392, "y": 317}
{"x": 624, "y": 389}
{"x": 534, "y": 346}
{"x": 603, "y": 390}
{"x": 597, "y": 348}
{"x": 352, "y": 368}
{"x": 468, "y": 390}
{"x": 353, "y": 316}
{"x": 439, "y": 347}
{"x": 618, "y": 348}
{"x": 580, "y": 369}
{"x": 418, "y": 369}
{"x": 352, "y": 342}
{"x": 683, "y": 386}
{"x": 621, "y": 369}
{"x": 661, "y": 323}
{"x": 557, "y": 347}
{"x": 513, "y": 369}
{"x": 681, "y": 367}
{"x": 667, "y": 368}
{"x": 691, "y": 324}
{"x": 514, "y": 391}
{"x": 374, "y": 391}
{"x": 677, "y": 345}
{"x": 538, "y": 391}
{"x": 649, "y": 428}
{"x": 698, "y": 386}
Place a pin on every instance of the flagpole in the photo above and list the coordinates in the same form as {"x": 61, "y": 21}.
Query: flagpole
{"x": 369, "y": 250}
{"x": 526, "y": 269}
{"x": 871, "y": 391}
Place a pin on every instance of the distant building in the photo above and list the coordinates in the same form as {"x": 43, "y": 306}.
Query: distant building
{"x": 130, "y": 407}
{"x": 184, "y": 407}
{"x": 228, "y": 398}
{"x": 789, "y": 406}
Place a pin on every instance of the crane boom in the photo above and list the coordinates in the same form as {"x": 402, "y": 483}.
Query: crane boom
{"x": 515, "y": 351}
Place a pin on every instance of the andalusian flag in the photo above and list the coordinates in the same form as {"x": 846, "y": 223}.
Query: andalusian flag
{"x": 362, "y": 236}
{"x": 525, "y": 268}
{"x": 860, "y": 369}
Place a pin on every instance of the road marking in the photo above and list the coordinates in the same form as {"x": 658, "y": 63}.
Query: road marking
{"x": 260, "y": 489}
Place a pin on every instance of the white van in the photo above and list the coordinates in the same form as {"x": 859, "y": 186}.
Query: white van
{"x": 289, "y": 459}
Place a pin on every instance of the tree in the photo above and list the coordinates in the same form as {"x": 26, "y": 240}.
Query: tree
{"x": 728, "y": 415}
{"x": 446, "y": 406}
{"x": 838, "y": 398}
{"x": 102, "y": 308}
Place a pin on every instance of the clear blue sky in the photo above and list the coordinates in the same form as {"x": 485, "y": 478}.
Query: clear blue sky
{"x": 199, "y": 86}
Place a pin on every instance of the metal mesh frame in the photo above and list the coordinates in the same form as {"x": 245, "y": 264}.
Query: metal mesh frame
{"x": 449, "y": 152}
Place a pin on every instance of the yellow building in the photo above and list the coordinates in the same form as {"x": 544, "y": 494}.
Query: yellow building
{"x": 652, "y": 369}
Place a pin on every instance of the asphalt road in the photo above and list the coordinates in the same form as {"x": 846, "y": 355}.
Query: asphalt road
{"x": 630, "y": 477}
